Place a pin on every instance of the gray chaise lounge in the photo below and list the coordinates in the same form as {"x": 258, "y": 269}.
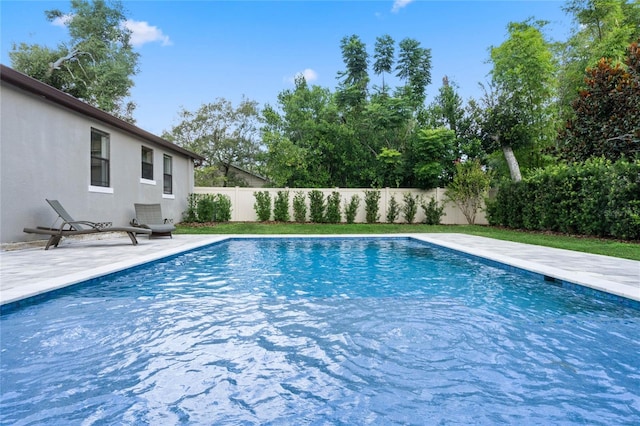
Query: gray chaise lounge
{"x": 71, "y": 227}
{"x": 149, "y": 216}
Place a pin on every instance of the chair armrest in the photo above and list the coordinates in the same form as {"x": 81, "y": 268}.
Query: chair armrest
{"x": 95, "y": 225}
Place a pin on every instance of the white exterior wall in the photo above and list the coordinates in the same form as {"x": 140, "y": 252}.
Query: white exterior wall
{"x": 242, "y": 201}
{"x": 45, "y": 153}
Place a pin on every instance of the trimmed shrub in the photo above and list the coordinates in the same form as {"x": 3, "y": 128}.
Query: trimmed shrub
{"x": 410, "y": 207}
{"x": 281, "y": 207}
{"x": 191, "y": 214}
{"x": 316, "y": 206}
{"x": 221, "y": 208}
{"x": 351, "y": 209}
{"x": 393, "y": 211}
{"x": 433, "y": 212}
{"x": 205, "y": 208}
{"x": 372, "y": 205}
{"x": 300, "y": 207}
{"x": 262, "y": 206}
{"x": 333, "y": 208}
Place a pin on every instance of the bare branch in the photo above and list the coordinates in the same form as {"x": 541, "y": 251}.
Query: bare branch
{"x": 57, "y": 64}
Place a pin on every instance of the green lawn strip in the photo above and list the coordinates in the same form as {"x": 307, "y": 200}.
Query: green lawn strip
{"x": 625, "y": 250}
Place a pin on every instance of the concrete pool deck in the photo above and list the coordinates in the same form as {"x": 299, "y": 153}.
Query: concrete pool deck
{"x": 32, "y": 271}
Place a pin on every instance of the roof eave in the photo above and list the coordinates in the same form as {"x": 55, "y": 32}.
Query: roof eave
{"x": 29, "y": 84}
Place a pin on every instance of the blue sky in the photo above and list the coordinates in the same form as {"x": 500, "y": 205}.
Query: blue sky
{"x": 193, "y": 52}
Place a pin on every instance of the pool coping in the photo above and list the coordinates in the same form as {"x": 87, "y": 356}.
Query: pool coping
{"x": 555, "y": 275}
{"x": 514, "y": 255}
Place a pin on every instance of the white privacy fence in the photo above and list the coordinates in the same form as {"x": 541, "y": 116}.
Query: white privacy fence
{"x": 243, "y": 200}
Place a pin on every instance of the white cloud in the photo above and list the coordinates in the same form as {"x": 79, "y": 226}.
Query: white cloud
{"x": 308, "y": 74}
{"x": 61, "y": 21}
{"x": 399, "y": 4}
{"x": 142, "y": 32}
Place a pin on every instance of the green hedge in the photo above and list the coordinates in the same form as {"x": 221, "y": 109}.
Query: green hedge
{"x": 597, "y": 198}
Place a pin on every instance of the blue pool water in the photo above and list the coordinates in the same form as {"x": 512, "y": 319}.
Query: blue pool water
{"x": 331, "y": 331}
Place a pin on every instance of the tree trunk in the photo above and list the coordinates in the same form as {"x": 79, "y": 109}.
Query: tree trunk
{"x": 512, "y": 162}
{"x": 226, "y": 167}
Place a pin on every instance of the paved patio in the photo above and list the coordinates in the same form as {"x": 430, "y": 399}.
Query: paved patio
{"x": 31, "y": 271}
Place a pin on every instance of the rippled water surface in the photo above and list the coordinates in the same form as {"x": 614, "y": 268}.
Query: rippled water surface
{"x": 303, "y": 331}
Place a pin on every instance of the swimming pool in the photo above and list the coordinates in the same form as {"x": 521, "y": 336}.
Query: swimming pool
{"x": 357, "y": 331}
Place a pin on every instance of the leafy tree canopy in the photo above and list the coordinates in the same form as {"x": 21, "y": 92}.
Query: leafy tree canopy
{"x": 414, "y": 67}
{"x": 97, "y": 62}
{"x": 384, "y": 53}
{"x": 433, "y": 156}
{"x": 606, "y": 119}
{"x": 518, "y": 108}
{"x": 602, "y": 29}
{"x": 351, "y": 137}
{"x": 221, "y": 133}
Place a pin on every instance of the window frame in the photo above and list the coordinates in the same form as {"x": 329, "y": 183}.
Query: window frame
{"x": 167, "y": 175}
{"x": 100, "y": 163}
{"x": 146, "y": 166}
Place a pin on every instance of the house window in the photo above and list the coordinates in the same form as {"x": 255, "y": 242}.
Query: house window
{"x": 147, "y": 163}
{"x": 99, "y": 158}
{"x": 168, "y": 175}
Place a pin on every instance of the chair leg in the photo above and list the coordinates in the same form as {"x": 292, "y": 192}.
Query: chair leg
{"x": 134, "y": 240}
{"x": 53, "y": 240}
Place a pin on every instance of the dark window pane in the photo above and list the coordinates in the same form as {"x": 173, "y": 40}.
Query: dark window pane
{"x": 168, "y": 178}
{"x": 99, "y": 172}
{"x": 147, "y": 171}
{"x": 99, "y": 158}
{"x": 168, "y": 184}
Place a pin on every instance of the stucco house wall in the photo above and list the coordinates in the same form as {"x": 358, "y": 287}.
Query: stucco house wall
{"x": 45, "y": 152}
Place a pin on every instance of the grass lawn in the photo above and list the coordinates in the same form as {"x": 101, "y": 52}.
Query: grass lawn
{"x": 626, "y": 250}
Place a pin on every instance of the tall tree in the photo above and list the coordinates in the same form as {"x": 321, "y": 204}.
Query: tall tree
{"x": 307, "y": 127}
{"x": 606, "y": 121}
{"x": 602, "y": 29}
{"x": 414, "y": 67}
{"x": 386, "y": 131}
{"x": 354, "y": 81}
{"x": 519, "y": 110}
{"x": 225, "y": 136}
{"x": 384, "y": 53}
{"x": 96, "y": 65}
{"x": 387, "y": 122}
{"x": 433, "y": 157}
{"x": 446, "y": 109}
{"x": 504, "y": 126}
